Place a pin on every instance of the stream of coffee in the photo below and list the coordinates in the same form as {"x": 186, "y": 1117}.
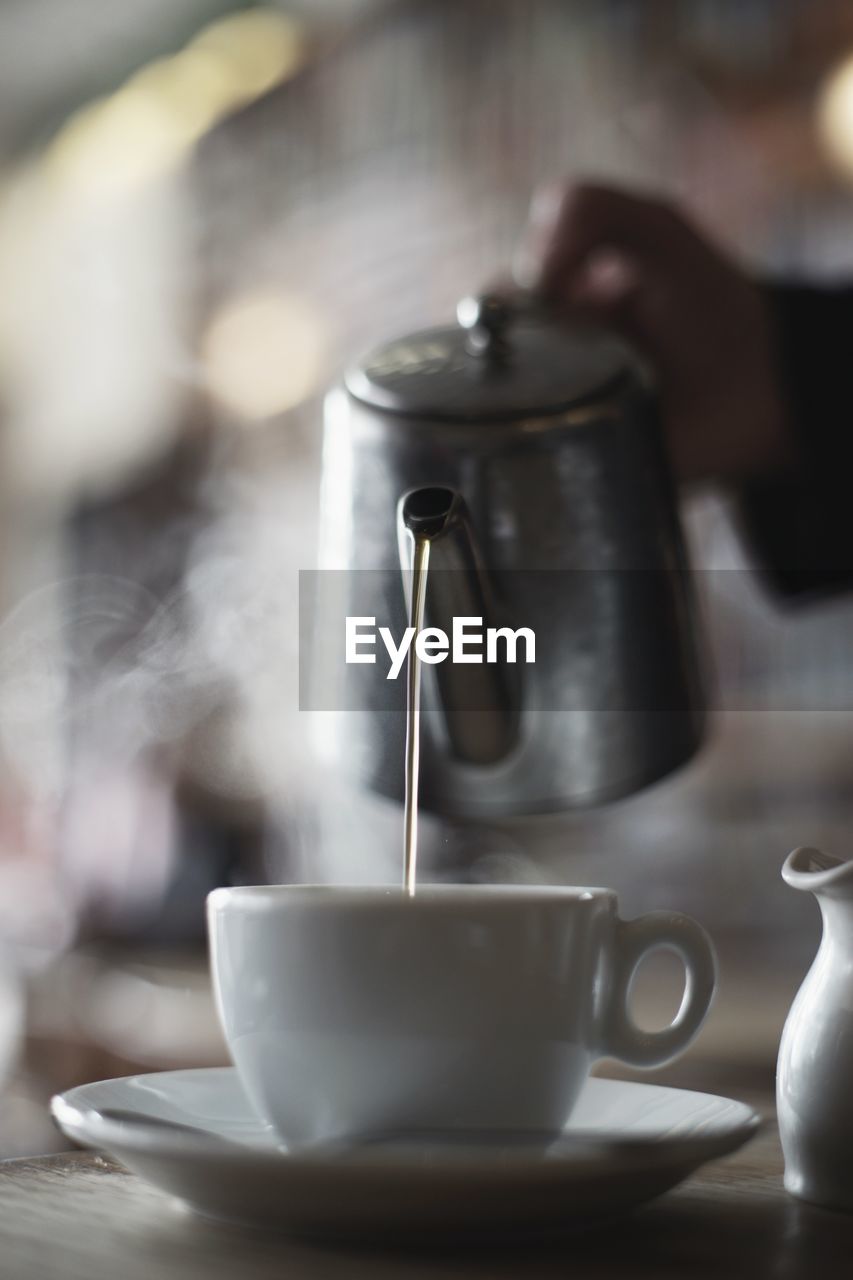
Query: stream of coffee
{"x": 420, "y": 568}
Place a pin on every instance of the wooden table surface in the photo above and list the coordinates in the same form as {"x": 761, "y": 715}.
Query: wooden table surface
{"x": 80, "y": 1217}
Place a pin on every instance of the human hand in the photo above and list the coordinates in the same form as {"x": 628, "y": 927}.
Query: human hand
{"x": 637, "y": 265}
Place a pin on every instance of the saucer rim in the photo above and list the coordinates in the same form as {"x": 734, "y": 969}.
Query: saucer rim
{"x": 85, "y": 1124}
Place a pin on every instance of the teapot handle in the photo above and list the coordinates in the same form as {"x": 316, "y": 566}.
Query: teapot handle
{"x": 636, "y": 939}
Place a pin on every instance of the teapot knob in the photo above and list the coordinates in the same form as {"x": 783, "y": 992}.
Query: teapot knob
{"x": 485, "y": 316}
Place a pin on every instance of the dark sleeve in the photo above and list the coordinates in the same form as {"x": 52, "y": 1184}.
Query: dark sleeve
{"x": 800, "y": 523}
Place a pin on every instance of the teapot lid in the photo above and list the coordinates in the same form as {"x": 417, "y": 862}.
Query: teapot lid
{"x": 505, "y": 359}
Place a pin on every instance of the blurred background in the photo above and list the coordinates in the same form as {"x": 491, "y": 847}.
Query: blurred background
{"x": 206, "y": 210}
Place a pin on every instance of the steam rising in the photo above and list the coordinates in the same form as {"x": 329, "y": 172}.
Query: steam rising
{"x": 105, "y": 684}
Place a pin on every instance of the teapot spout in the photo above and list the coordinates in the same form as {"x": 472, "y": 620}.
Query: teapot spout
{"x": 818, "y": 872}
{"x": 479, "y": 709}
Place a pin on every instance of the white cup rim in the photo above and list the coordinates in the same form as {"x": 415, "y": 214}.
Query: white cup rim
{"x": 428, "y": 897}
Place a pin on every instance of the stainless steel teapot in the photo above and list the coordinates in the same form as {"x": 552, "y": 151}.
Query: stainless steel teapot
{"x": 532, "y": 452}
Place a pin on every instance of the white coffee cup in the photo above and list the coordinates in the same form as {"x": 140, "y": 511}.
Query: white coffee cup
{"x": 354, "y": 1010}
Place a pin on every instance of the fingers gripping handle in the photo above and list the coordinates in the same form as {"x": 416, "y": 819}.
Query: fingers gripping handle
{"x": 660, "y": 930}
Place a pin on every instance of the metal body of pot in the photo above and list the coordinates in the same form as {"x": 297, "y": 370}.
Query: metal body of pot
{"x": 550, "y": 440}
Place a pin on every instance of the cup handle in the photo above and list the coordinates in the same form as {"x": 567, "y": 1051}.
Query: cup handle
{"x": 635, "y": 939}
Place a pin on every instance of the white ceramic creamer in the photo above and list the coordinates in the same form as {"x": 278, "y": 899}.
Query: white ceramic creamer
{"x": 814, "y": 1082}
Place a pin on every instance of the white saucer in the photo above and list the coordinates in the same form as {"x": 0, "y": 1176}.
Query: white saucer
{"x": 193, "y": 1133}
